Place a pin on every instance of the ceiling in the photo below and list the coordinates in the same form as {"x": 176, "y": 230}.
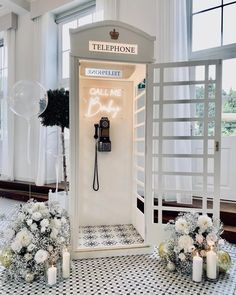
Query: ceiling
{"x": 23, "y": 6}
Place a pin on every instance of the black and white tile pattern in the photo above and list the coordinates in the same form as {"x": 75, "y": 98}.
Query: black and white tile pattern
{"x": 126, "y": 275}
{"x": 108, "y": 235}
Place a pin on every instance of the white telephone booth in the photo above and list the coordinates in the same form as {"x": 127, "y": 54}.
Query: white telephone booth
{"x": 127, "y": 143}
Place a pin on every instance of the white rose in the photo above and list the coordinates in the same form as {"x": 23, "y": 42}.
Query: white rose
{"x": 54, "y": 233}
{"x": 41, "y": 256}
{"x": 43, "y": 229}
{"x": 24, "y": 237}
{"x": 30, "y": 211}
{"x": 199, "y": 238}
{"x": 28, "y": 256}
{"x": 211, "y": 239}
{"x": 170, "y": 266}
{"x": 204, "y": 222}
{"x": 185, "y": 243}
{"x": 182, "y": 257}
{"x": 29, "y": 222}
{"x": 56, "y": 223}
{"x": 33, "y": 227}
{"x": 37, "y": 216}
{"x": 182, "y": 226}
{"x": 31, "y": 247}
{"x": 16, "y": 246}
{"x": 44, "y": 223}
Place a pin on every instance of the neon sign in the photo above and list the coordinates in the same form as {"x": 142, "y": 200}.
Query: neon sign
{"x": 101, "y": 101}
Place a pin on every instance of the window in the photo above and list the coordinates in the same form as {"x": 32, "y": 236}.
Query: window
{"x": 3, "y": 78}
{"x": 82, "y": 18}
{"x": 212, "y": 23}
{"x": 212, "y": 36}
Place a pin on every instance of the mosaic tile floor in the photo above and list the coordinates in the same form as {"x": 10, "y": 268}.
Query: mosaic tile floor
{"x": 108, "y": 235}
{"x": 127, "y": 275}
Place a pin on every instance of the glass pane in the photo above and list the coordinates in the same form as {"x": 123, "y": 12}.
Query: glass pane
{"x": 66, "y": 34}
{"x": 212, "y": 72}
{"x": 206, "y": 30}
{"x": 199, "y": 5}
{"x": 65, "y": 65}
{"x": 156, "y": 77}
{"x": 227, "y": 1}
{"x": 229, "y": 97}
{"x": 229, "y": 23}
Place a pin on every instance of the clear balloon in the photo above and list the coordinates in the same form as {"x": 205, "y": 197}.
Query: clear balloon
{"x": 28, "y": 99}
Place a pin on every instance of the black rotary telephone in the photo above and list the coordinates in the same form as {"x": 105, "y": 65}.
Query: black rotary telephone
{"x": 102, "y": 144}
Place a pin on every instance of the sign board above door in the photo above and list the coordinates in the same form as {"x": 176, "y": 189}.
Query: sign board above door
{"x": 112, "y": 40}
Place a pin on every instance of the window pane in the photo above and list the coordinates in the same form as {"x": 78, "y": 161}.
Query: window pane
{"x": 229, "y": 97}
{"x": 229, "y": 35}
{"x": 65, "y": 65}
{"x": 199, "y": 5}
{"x": 206, "y": 30}
{"x": 228, "y": 1}
{"x": 66, "y": 34}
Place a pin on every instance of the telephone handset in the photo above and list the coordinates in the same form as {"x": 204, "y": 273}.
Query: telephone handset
{"x": 103, "y": 144}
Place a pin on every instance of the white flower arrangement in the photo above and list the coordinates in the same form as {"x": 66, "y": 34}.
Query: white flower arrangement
{"x": 189, "y": 232}
{"x": 36, "y": 234}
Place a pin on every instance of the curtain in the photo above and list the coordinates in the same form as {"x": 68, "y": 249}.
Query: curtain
{"x": 45, "y": 72}
{"x": 172, "y": 46}
{"x": 7, "y": 117}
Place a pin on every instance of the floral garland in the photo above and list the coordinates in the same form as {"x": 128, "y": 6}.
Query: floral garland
{"x": 36, "y": 235}
{"x": 189, "y": 233}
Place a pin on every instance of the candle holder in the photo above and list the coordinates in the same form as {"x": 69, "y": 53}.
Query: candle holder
{"x": 212, "y": 265}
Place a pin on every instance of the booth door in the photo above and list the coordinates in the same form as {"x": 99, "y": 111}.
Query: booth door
{"x": 183, "y": 113}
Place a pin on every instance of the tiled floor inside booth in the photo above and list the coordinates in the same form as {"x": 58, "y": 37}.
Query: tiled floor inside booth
{"x": 126, "y": 275}
{"x": 108, "y": 235}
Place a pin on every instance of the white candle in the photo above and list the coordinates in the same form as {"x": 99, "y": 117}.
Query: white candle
{"x": 197, "y": 268}
{"x": 211, "y": 264}
{"x": 52, "y": 275}
{"x": 65, "y": 264}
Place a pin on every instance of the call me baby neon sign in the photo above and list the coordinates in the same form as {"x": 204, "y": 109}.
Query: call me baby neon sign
{"x": 98, "y": 105}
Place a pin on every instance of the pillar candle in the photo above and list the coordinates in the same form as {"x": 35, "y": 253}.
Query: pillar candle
{"x": 52, "y": 275}
{"x": 197, "y": 268}
{"x": 211, "y": 264}
{"x": 65, "y": 264}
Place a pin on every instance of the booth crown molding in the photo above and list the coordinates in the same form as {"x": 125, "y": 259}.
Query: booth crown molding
{"x": 112, "y": 40}
{"x": 115, "y": 24}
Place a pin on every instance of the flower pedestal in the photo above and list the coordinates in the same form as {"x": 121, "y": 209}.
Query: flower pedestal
{"x": 192, "y": 235}
{"x": 36, "y": 235}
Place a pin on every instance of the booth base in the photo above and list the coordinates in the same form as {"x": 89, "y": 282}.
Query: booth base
{"x": 112, "y": 251}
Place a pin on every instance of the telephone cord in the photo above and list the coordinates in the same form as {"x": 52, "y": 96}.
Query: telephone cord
{"x": 95, "y": 175}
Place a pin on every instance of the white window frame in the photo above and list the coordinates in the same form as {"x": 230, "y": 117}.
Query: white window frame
{"x": 220, "y": 52}
{"x": 74, "y": 15}
{"x": 3, "y": 67}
